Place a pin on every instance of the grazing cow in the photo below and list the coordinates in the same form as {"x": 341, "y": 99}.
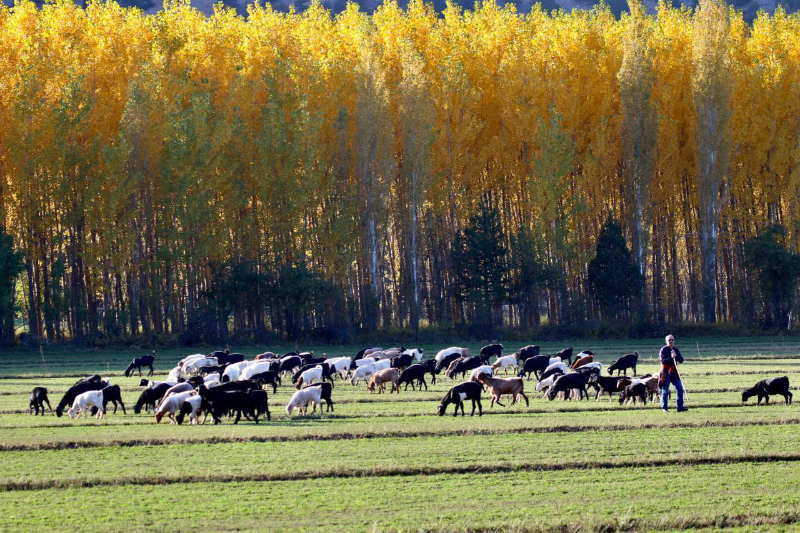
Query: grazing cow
{"x": 139, "y": 362}
{"x": 527, "y": 352}
{"x": 470, "y": 390}
{"x": 766, "y": 387}
{"x": 490, "y": 350}
{"x": 566, "y": 353}
{"x": 38, "y": 399}
{"x": 624, "y": 363}
{"x": 535, "y": 365}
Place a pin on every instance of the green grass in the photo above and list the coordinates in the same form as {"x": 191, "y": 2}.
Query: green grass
{"x": 388, "y": 462}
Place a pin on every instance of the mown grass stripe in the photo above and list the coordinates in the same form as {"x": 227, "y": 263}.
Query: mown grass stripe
{"x": 496, "y": 468}
{"x": 593, "y": 407}
{"x": 77, "y": 444}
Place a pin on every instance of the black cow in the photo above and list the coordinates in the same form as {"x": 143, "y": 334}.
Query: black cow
{"x": 490, "y": 350}
{"x": 470, "y": 390}
{"x": 138, "y": 363}
{"x": 765, "y": 387}
{"x": 535, "y": 365}
{"x": 624, "y": 363}
{"x": 38, "y": 399}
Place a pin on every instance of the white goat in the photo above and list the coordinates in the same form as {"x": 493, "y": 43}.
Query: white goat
{"x": 171, "y": 404}
{"x": 341, "y": 365}
{"x": 175, "y": 375}
{"x": 365, "y": 361}
{"x": 509, "y": 361}
{"x": 309, "y": 376}
{"x": 233, "y": 371}
{"x": 256, "y": 367}
{"x": 383, "y": 364}
{"x": 84, "y": 402}
{"x": 302, "y": 398}
{"x": 193, "y": 367}
{"x": 416, "y": 353}
{"x": 363, "y": 371}
{"x": 483, "y": 369}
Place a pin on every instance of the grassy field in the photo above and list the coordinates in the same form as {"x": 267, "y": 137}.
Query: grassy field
{"x": 388, "y": 462}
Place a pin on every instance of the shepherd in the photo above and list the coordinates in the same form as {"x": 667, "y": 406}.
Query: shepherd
{"x": 670, "y": 356}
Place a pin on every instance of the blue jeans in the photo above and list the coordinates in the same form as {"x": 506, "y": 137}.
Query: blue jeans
{"x": 675, "y": 380}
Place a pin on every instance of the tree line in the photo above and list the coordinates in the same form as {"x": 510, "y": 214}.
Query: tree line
{"x": 227, "y": 177}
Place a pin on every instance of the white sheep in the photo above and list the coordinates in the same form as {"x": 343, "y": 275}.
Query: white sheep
{"x": 302, "y": 398}
{"x": 84, "y": 402}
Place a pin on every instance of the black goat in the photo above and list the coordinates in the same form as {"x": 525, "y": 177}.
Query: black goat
{"x": 527, "y": 352}
{"x": 326, "y": 389}
{"x": 490, "y": 350}
{"x": 430, "y": 368}
{"x": 534, "y": 365}
{"x": 82, "y": 385}
{"x": 470, "y": 390}
{"x": 268, "y": 378}
{"x": 607, "y": 384}
{"x": 463, "y": 366}
{"x": 624, "y": 363}
{"x": 138, "y": 363}
{"x": 402, "y": 361}
{"x": 150, "y": 397}
{"x": 414, "y": 373}
{"x": 765, "y": 387}
{"x": 446, "y": 360}
{"x": 290, "y": 363}
{"x": 567, "y": 382}
{"x": 253, "y": 403}
{"x": 244, "y": 385}
{"x": 38, "y": 399}
{"x": 634, "y": 392}
{"x": 566, "y": 353}
{"x": 113, "y": 394}
{"x": 552, "y": 371}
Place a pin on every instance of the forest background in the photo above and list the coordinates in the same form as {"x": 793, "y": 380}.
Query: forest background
{"x": 183, "y": 178}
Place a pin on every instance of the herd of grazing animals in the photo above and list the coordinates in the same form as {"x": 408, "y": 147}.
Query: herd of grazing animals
{"x": 224, "y": 384}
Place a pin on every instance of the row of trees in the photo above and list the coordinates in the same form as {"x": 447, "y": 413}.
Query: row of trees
{"x": 293, "y": 173}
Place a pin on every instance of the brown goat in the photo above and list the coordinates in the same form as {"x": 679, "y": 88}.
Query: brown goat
{"x": 500, "y": 386}
{"x": 585, "y": 360}
{"x": 382, "y": 377}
